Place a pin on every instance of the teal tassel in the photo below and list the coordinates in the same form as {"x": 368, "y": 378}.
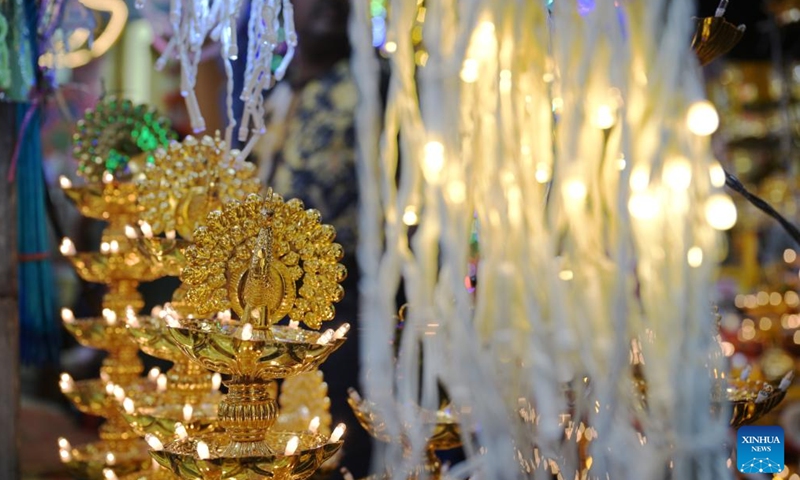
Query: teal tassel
{"x": 39, "y": 330}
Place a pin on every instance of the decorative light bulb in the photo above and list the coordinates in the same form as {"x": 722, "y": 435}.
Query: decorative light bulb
{"x": 216, "y": 382}
{"x": 67, "y": 316}
{"x": 110, "y": 388}
{"x": 113, "y": 246}
{"x": 119, "y": 393}
{"x": 147, "y": 230}
{"x": 341, "y": 331}
{"x": 154, "y": 442}
{"x": 109, "y": 316}
{"x": 110, "y": 459}
{"x": 105, "y": 247}
{"x": 313, "y": 426}
{"x": 338, "y": 432}
{"x": 67, "y": 248}
{"x": 153, "y": 374}
{"x": 187, "y": 413}
{"x": 203, "y": 453}
{"x": 161, "y": 383}
{"x": 180, "y": 431}
{"x": 63, "y": 443}
{"x": 130, "y": 232}
{"x": 247, "y": 331}
{"x": 66, "y": 383}
{"x": 128, "y": 405}
{"x": 64, "y": 182}
{"x": 325, "y": 338}
{"x": 677, "y": 173}
{"x": 291, "y": 446}
{"x": 720, "y": 212}
{"x": 410, "y": 217}
{"x": 543, "y": 172}
{"x": 170, "y": 234}
{"x": 109, "y": 474}
{"x": 702, "y": 118}
{"x": 108, "y": 177}
{"x": 65, "y": 454}
{"x": 433, "y": 160}
{"x": 694, "y": 256}
{"x": 643, "y": 206}
{"x": 390, "y": 47}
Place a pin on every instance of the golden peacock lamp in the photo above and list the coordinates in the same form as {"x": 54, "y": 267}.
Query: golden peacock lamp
{"x": 249, "y": 258}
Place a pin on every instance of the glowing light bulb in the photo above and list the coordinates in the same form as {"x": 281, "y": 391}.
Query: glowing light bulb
{"x": 640, "y": 178}
{"x": 187, "y": 413}
{"x": 313, "y": 426}
{"x": 789, "y": 255}
{"x": 128, "y": 406}
{"x": 105, "y": 247}
{"x": 341, "y": 331}
{"x": 130, "y": 232}
{"x": 720, "y": 212}
{"x": 338, "y": 432}
{"x": 119, "y": 393}
{"x": 66, "y": 383}
{"x": 203, "y": 453}
{"x": 677, "y": 173}
{"x": 65, "y": 454}
{"x": 717, "y": 174}
{"x": 216, "y": 382}
{"x": 469, "y": 71}
{"x": 291, "y": 446}
{"x": 456, "y": 191}
{"x": 161, "y": 383}
{"x": 67, "y": 316}
{"x": 108, "y": 177}
{"x": 64, "y": 182}
{"x": 153, "y": 374}
{"x": 575, "y": 190}
{"x": 110, "y": 459}
{"x": 433, "y": 160}
{"x": 390, "y": 47}
{"x": 170, "y": 234}
{"x": 604, "y": 117}
{"x": 542, "y": 173}
{"x": 643, "y": 206}
{"x": 154, "y": 442}
{"x": 109, "y": 316}
{"x": 109, "y": 388}
{"x": 109, "y": 474}
{"x": 147, "y": 230}
{"x": 67, "y": 248}
{"x": 63, "y": 443}
{"x": 410, "y": 216}
{"x": 694, "y": 256}
{"x": 113, "y": 246}
{"x": 180, "y": 431}
{"x": 325, "y": 338}
{"x": 247, "y": 331}
{"x": 702, "y": 118}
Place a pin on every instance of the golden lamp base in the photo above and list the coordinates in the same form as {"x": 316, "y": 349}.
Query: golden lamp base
{"x": 89, "y": 461}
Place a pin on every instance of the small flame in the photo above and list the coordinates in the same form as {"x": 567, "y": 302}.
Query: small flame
{"x": 216, "y": 382}
{"x": 119, "y": 393}
{"x": 65, "y": 454}
{"x": 203, "y": 453}
{"x": 66, "y": 383}
{"x": 109, "y": 474}
{"x": 67, "y": 315}
{"x": 341, "y": 331}
{"x": 147, "y": 230}
{"x": 161, "y": 383}
{"x": 130, "y": 317}
{"x": 110, "y": 459}
{"x": 294, "y": 324}
{"x": 67, "y": 248}
{"x": 63, "y": 443}
{"x": 156, "y": 311}
{"x": 291, "y": 446}
{"x": 105, "y": 247}
{"x": 154, "y": 442}
{"x": 110, "y": 388}
{"x": 113, "y": 246}
{"x": 338, "y": 432}
{"x": 108, "y": 177}
{"x": 187, "y": 413}
{"x": 153, "y": 374}
{"x": 180, "y": 430}
{"x": 325, "y": 338}
{"x": 314, "y": 425}
{"x": 110, "y": 316}
{"x": 128, "y": 405}
{"x": 247, "y": 331}
{"x": 172, "y": 322}
{"x": 104, "y": 377}
{"x": 170, "y": 234}
{"x": 64, "y": 182}
{"x": 130, "y": 232}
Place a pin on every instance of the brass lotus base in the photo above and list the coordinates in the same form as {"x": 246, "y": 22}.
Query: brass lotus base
{"x": 182, "y": 458}
{"x": 159, "y": 417}
{"x": 122, "y": 365}
{"x": 88, "y": 461}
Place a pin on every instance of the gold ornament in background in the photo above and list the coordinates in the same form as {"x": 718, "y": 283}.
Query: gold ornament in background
{"x": 302, "y": 250}
{"x": 304, "y": 397}
{"x": 188, "y": 180}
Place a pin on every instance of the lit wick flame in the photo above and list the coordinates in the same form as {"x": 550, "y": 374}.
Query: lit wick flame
{"x": 180, "y": 430}
{"x": 153, "y": 374}
{"x": 224, "y": 316}
{"x": 119, "y": 393}
{"x": 338, "y": 432}
{"x": 67, "y": 248}
{"x": 130, "y": 232}
{"x": 130, "y": 317}
{"x": 110, "y": 388}
{"x": 147, "y": 230}
{"x": 66, "y": 383}
{"x": 314, "y": 425}
{"x": 108, "y": 177}
{"x": 156, "y": 311}
{"x": 216, "y": 382}
{"x": 294, "y": 324}
{"x": 105, "y": 247}
{"x": 203, "y": 453}
{"x": 128, "y": 405}
{"x": 291, "y": 446}
{"x": 64, "y": 444}
{"x": 172, "y": 322}
{"x": 161, "y": 383}
{"x": 109, "y": 474}
{"x": 187, "y": 413}
{"x": 104, "y": 377}
{"x": 170, "y": 234}
{"x": 154, "y": 442}
{"x": 325, "y": 338}
{"x": 65, "y": 454}
{"x": 67, "y": 316}
{"x": 110, "y": 316}
{"x": 64, "y": 182}
{"x": 341, "y": 331}
{"x": 114, "y": 246}
{"x": 110, "y": 459}
{"x": 247, "y": 331}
